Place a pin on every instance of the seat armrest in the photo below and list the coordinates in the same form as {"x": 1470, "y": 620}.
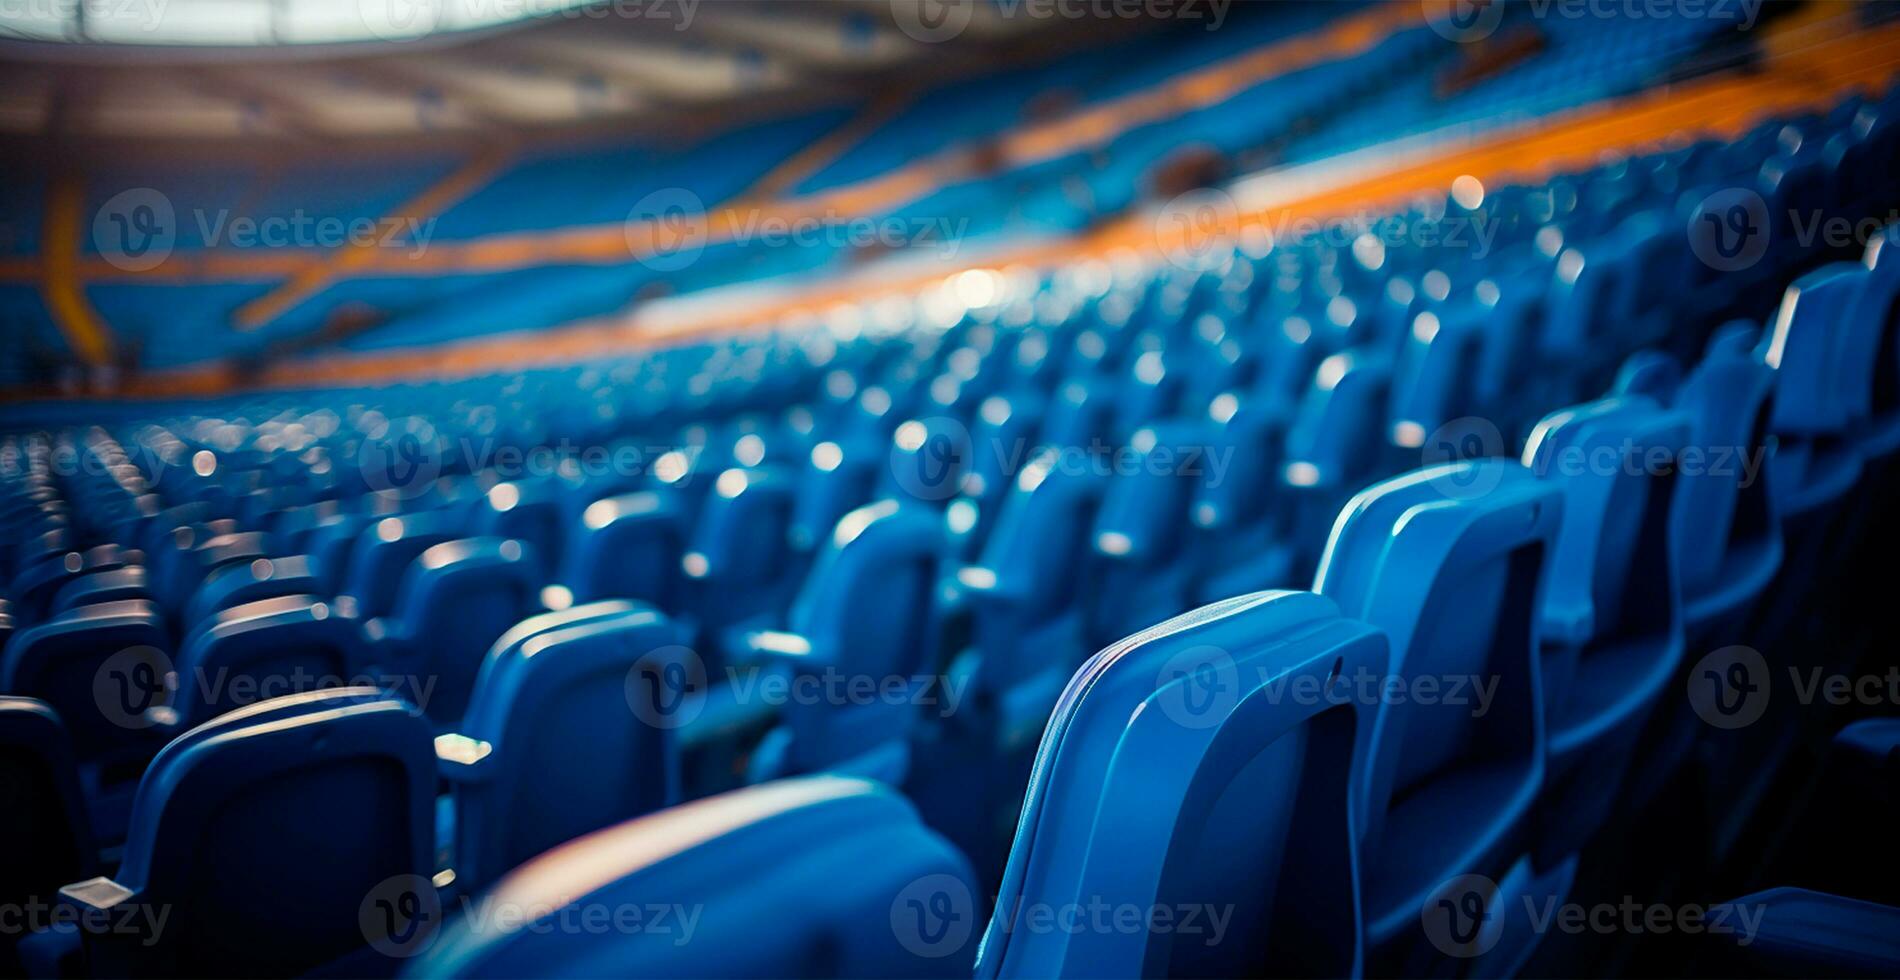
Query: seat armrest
{"x": 462, "y": 760}
{"x": 109, "y": 924}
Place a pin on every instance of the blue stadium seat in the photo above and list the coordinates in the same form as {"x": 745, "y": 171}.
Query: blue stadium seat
{"x": 867, "y": 613}
{"x": 529, "y": 511}
{"x": 1237, "y": 727}
{"x": 737, "y": 562}
{"x": 46, "y": 833}
{"x": 101, "y": 667}
{"x": 814, "y": 877}
{"x": 1815, "y": 459}
{"x": 1612, "y": 624}
{"x": 193, "y": 553}
{"x": 1450, "y": 562}
{"x": 128, "y": 582}
{"x": 457, "y": 598}
{"x": 237, "y": 583}
{"x": 383, "y": 552}
{"x": 628, "y": 546}
{"x": 1139, "y": 569}
{"x": 548, "y": 749}
{"x": 268, "y": 838}
{"x": 264, "y": 649}
{"x": 1801, "y": 933}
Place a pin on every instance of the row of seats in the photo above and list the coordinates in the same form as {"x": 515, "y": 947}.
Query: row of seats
{"x": 967, "y": 501}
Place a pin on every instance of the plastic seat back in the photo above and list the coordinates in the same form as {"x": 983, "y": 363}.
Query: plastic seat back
{"x": 47, "y": 838}
{"x": 268, "y": 836}
{"x": 114, "y": 585}
{"x": 383, "y": 553}
{"x": 101, "y": 667}
{"x": 260, "y": 578}
{"x": 1449, "y": 561}
{"x": 1728, "y": 515}
{"x": 628, "y": 547}
{"x": 797, "y": 878}
{"x": 264, "y": 649}
{"x": 528, "y": 511}
{"x": 548, "y": 749}
{"x": 457, "y": 599}
{"x": 1205, "y": 763}
{"x": 1816, "y": 461}
{"x": 867, "y": 611}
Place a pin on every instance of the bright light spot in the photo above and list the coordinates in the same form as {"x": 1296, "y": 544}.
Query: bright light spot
{"x": 557, "y": 597}
{"x": 503, "y": 497}
{"x": 598, "y": 514}
{"x": 694, "y": 564}
{"x": 73, "y": 561}
{"x": 1114, "y": 543}
{"x": 389, "y": 529}
{"x": 910, "y": 436}
{"x": 1487, "y": 292}
{"x": 1550, "y": 240}
{"x": 1143, "y": 441}
{"x": 1340, "y": 311}
{"x": 1400, "y": 291}
{"x": 1468, "y": 191}
{"x": 977, "y": 577}
{"x": 749, "y": 450}
{"x": 1206, "y": 514}
{"x": 1332, "y": 370}
{"x": 1148, "y": 368}
{"x": 944, "y": 389}
{"x": 876, "y": 401}
{"x": 1570, "y": 266}
{"x": 1369, "y": 251}
{"x": 960, "y": 517}
{"x": 1408, "y": 435}
{"x": 775, "y": 641}
{"x": 1223, "y": 408}
{"x": 994, "y": 410}
{"x": 261, "y": 569}
{"x": 731, "y": 483}
{"x": 1033, "y": 475}
{"x": 511, "y": 550}
{"x": 670, "y": 467}
{"x": 839, "y": 385}
{"x": 1425, "y": 327}
{"x": 1091, "y": 345}
{"x": 976, "y": 287}
{"x": 1436, "y": 284}
{"x": 1302, "y": 474}
{"x": 204, "y": 462}
{"x": 1297, "y": 329}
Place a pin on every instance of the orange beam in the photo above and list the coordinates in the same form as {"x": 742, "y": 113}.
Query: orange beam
{"x": 60, "y": 285}
{"x": 312, "y": 278}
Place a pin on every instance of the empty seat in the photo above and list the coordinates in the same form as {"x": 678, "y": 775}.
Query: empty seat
{"x": 1208, "y": 763}
{"x": 628, "y": 547}
{"x": 1816, "y": 460}
{"x": 129, "y": 582}
{"x": 1139, "y": 569}
{"x": 737, "y": 563}
{"x": 101, "y": 667}
{"x": 1611, "y": 624}
{"x": 382, "y": 554}
{"x": 1449, "y": 561}
{"x": 260, "y": 578}
{"x": 867, "y": 616}
{"x": 266, "y": 649}
{"x": 273, "y": 840}
{"x": 814, "y": 877}
{"x": 456, "y": 600}
{"x": 529, "y": 511}
{"x": 548, "y": 749}
{"x": 45, "y": 836}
